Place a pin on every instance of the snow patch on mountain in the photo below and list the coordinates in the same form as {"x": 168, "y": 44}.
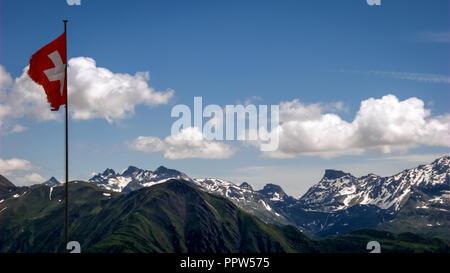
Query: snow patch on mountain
{"x": 338, "y": 190}
{"x": 50, "y": 194}
{"x": 255, "y": 202}
{"x": 134, "y": 178}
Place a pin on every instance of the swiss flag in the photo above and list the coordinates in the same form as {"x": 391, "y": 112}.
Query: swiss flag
{"x": 48, "y": 68}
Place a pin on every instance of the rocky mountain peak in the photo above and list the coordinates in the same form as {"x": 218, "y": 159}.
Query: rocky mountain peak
{"x": 442, "y": 164}
{"x": 273, "y": 192}
{"x": 161, "y": 169}
{"x": 246, "y": 186}
{"x": 5, "y": 183}
{"x": 52, "y": 182}
{"x": 109, "y": 172}
{"x": 130, "y": 171}
{"x": 334, "y": 174}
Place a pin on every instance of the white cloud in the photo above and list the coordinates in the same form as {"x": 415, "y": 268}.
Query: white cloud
{"x": 94, "y": 92}
{"x": 189, "y": 143}
{"x": 147, "y": 144}
{"x": 388, "y": 122}
{"x": 18, "y": 98}
{"x": 9, "y": 166}
{"x": 29, "y": 179}
{"x": 334, "y": 107}
{"x": 295, "y": 110}
{"x": 20, "y": 171}
{"x": 385, "y": 125}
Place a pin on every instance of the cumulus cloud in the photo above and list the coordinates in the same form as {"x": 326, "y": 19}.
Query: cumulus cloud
{"x": 14, "y": 164}
{"x": 29, "y": 179}
{"x": 295, "y": 110}
{"x": 147, "y": 144}
{"x": 20, "y": 171}
{"x": 94, "y": 92}
{"x": 189, "y": 143}
{"x": 385, "y": 125}
{"x": 21, "y": 97}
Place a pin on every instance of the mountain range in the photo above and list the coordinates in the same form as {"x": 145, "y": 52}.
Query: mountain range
{"x": 171, "y": 217}
{"x": 339, "y": 203}
{"x": 167, "y": 211}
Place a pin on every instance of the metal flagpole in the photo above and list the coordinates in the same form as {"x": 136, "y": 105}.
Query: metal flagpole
{"x": 66, "y": 225}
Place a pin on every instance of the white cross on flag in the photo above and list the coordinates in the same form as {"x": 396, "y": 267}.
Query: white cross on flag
{"x": 48, "y": 68}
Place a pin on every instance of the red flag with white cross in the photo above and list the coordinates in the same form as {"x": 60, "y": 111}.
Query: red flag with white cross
{"x": 48, "y": 68}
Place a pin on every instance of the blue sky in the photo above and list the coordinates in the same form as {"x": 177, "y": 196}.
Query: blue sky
{"x": 229, "y": 52}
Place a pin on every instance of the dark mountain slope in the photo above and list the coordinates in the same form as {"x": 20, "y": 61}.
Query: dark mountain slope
{"x": 177, "y": 217}
{"x": 389, "y": 242}
{"x": 6, "y": 187}
{"x": 171, "y": 217}
{"x": 34, "y": 221}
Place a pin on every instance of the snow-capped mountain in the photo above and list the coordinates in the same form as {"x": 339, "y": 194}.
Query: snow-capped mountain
{"x": 341, "y": 202}
{"x": 255, "y": 202}
{"x": 338, "y": 203}
{"x": 338, "y": 190}
{"x": 134, "y": 178}
{"x": 275, "y": 194}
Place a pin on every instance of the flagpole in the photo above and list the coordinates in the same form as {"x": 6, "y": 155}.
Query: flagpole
{"x": 66, "y": 225}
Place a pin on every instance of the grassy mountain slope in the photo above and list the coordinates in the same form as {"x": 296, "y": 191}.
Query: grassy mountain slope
{"x": 176, "y": 217}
